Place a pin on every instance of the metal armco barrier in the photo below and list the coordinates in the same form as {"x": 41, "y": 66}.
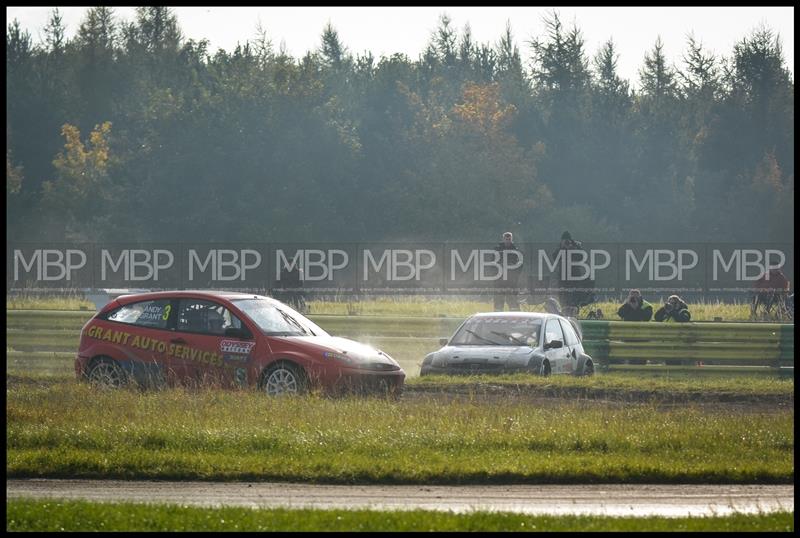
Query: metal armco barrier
{"x": 608, "y": 342}
{"x": 744, "y": 344}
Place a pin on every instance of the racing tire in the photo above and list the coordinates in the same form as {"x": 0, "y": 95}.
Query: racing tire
{"x": 544, "y": 371}
{"x": 107, "y": 374}
{"x": 284, "y": 378}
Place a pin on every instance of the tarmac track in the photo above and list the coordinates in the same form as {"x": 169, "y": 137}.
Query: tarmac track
{"x": 609, "y": 499}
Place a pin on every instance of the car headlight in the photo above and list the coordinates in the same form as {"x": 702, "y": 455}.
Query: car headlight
{"x": 339, "y": 356}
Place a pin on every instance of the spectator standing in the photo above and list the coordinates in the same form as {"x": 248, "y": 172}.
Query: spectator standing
{"x": 507, "y": 292}
{"x": 574, "y": 292}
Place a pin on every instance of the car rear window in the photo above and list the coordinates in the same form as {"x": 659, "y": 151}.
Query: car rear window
{"x": 154, "y": 314}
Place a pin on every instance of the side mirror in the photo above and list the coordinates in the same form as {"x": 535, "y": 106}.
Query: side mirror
{"x": 442, "y": 341}
{"x": 238, "y": 333}
{"x": 554, "y": 344}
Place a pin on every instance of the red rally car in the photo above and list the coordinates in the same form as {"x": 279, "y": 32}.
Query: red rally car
{"x": 226, "y": 339}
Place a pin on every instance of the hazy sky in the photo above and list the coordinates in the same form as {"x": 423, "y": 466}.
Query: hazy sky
{"x": 386, "y": 30}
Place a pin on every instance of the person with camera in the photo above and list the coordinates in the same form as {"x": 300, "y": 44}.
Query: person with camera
{"x": 574, "y": 291}
{"x": 635, "y": 308}
{"x": 675, "y": 309}
{"x": 507, "y": 292}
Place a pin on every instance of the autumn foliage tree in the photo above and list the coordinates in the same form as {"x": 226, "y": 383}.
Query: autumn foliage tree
{"x": 460, "y": 143}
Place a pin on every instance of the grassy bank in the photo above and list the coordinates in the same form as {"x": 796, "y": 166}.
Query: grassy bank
{"x": 71, "y": 430}
{"x": 48, "y": 303}
{"x": 35, "y": 515}
{"x": 423, "y": 306}
{"x": 412, "y": 306}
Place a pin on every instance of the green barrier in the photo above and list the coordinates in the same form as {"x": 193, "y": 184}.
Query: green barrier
{"x": 758, "y": 344}
{"x": 787, "y": 345}
{"x": 609, "y": 342}
{"x": 46, "y": 319}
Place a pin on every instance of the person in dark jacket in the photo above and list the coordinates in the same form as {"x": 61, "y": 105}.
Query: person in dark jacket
{"x": 573, "y": 292}
{"x": 675, "y": 309}
{"x": 507, "y": 292}
{"x": 635, "y": 308}
{"x": 552, "y": 306}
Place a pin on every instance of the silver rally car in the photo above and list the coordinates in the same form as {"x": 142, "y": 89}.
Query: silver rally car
{"x": 505, "y": 342}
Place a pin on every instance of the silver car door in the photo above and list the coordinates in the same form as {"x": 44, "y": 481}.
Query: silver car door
{"x": 572, "y": 343}
{"x": 556, "y": 356}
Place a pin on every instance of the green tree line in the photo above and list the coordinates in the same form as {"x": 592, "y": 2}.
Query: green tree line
{"x": 131, "y": 132}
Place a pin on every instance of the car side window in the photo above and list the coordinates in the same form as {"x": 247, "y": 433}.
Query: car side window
{"x": 569, "y": 334}
{"x": 552, "y": 331}
{"x": 205, "y": 317}
{"x": 153, "y": 314}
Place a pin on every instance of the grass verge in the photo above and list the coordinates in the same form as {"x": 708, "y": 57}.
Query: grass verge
{"x": 662, "y": 385}
{"x": 49, "y": 303}
{"x": 412, "y": 306}
{"x": 71, "y": 430}
{"x": 35, "y": 515}
{"x": 426, "y": 306}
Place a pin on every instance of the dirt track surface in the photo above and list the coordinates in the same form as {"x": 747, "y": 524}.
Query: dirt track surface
{"x": 610, "y": 500}
{"x": 664, "y": 399}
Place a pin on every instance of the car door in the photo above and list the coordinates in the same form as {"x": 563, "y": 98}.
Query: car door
{"x": 558, "y": 357}
{"x": 210, "y": 357}
{"x": 141, "y": 332}
{"x": 572, "y": 343}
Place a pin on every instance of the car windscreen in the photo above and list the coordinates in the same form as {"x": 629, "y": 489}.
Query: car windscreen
{"x": 498, "y": 331}
{"x": 278, "y": 320}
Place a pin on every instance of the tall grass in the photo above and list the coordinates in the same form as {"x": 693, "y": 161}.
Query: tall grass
{"x": 430, "y": 307}
{"x": 409, "y": 306}
{"x": 48, "y": 303}
{"x": 63, "y": 515}
{"x": 74, "y": 431}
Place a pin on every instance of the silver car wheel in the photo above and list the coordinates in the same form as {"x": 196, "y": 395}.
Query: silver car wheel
{"x": 545, "y": 369}
{"x": 281, "y": 381}
{"x": 106, "y": 374}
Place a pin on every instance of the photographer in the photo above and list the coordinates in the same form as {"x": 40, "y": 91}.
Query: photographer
{"x": 507, "y": 292}
{"x": 574, "y": 292}
{"x": 635, "y": 308}
{"x": 675, "y": 309}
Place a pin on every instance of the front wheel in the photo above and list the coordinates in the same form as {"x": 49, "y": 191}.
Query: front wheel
{"x": 284, "y": 378}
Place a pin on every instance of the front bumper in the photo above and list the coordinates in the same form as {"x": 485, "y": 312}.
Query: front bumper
{"x": 471, "y": 369}
{"x": 358, "y": 381}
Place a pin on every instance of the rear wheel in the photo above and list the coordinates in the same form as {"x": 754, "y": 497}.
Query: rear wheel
{"x": 588, "y": 368}
{"x": 284, "y": 378}
{"x": 107, "y": 374}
